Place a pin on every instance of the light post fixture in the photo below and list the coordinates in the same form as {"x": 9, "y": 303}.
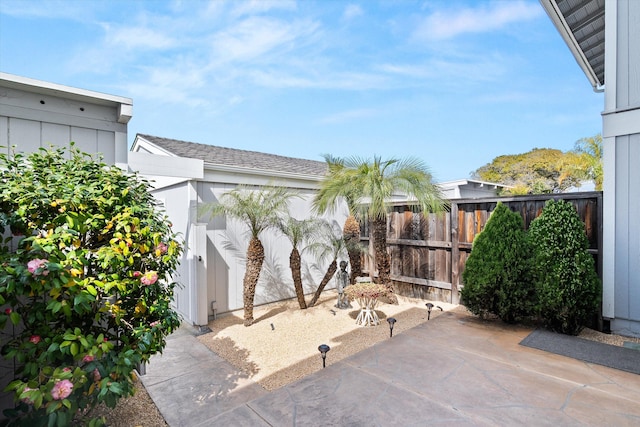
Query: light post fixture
{"x": 392, "y": 322}
{"x": 323, "y": 348}
{"x": 429, "y": 307}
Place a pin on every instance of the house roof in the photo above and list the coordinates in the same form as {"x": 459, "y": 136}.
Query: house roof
{"x": 581, "y": 25}
{"x": 215, "y": 155}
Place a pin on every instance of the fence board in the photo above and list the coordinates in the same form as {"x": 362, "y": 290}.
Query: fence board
{"x": 431, "y": 250}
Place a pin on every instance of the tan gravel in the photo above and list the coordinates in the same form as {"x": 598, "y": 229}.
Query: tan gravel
{"x": 282, "y": 344}
{"x": 278, "y": 355}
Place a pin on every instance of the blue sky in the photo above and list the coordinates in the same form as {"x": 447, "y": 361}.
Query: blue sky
{"x": 455, "y": 83}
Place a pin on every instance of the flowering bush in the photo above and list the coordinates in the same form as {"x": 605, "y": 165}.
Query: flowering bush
{"x": 86, "y": 264}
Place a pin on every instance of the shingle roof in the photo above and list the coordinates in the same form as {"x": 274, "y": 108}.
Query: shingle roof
{"x": 241, "y": 158}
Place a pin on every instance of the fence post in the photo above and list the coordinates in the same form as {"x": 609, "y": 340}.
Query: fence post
{"x": 455, "y": 254}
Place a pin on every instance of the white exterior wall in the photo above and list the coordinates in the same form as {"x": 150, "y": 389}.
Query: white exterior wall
{"x": 621, "y": 136}
{"x": 227, "y": 242}
{"x": 37, "y": 114}
{"x": 212, "y": 268}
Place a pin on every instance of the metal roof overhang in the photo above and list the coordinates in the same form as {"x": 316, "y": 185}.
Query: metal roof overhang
{"x": 581, "y": 25}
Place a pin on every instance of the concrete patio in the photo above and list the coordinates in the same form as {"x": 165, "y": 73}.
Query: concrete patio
{"x": 452, "y": 370}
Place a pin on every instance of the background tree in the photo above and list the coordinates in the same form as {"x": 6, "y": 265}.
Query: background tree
{"x": 497, "y": 273}
{"x": 86, "y": 281}
{"x": 371, "y": 185}
{"x": 539, "y": 171}
{"x": 327, "y": 200}
{"x": 590, "y": 154}
{"x": 259, "y": 210}
{"x": 566, "y": 281}
{"x": 329, "y": 244}
{"x": 298, "y": 232}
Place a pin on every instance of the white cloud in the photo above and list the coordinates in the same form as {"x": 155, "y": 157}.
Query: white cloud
{"x": 254, "y": 7}
{"x": 350, "y": 115}
{"x": 352, "y": 11}
{"x": 255, "y": 37}
{"x": 455, "y": 70}
{"x": 182, "y": 84}
{"x": 130, "y": 38}
{"x": 287, "y": 78}
{"x": 442, "y": 25}
{"x": 44, "y": 9}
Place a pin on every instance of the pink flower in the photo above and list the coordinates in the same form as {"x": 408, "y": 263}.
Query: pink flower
{"x": 149, "y": 278}
{"x": 67, "y": 369}
{"x": 96, "y": 375}
{"x": 7, "y": 311}
{"x": 88, "y": 358}
{"x": 35, "y": 264}
{"x": 61, "y": 390}
{"x": 156, "y": 323}
{"x": 25, "y": 399}
{"x": 161, "y": 249}
{"x": 35, "y": 339}
{"x": 137, "y": 274}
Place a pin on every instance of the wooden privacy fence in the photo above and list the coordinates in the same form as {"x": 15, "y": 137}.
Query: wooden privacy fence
{"x": 428, "y": 253}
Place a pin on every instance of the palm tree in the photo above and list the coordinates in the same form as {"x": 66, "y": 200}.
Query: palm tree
{"x": 297, "y": 231}
{"x": 591, "y": 150}
{"x": 330, "y": 245}
{"x": 326, "y": 200}
{"x": 370, "y": 185}
{"x": 259, "y": 211}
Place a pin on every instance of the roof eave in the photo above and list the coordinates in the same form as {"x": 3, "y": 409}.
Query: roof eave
{"x": 554, "y": 13}
{"x": 261, "y": 172}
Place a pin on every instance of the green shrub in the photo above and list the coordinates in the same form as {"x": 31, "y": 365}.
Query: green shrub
{"x": 566, "y": 281}
{"x": 85, "y": 281}
{"x": 497, "y": 273}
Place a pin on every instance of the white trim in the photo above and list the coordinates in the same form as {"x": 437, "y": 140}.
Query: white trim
{"x": 611, "y": 53}
{"x": 39, "y": 86}
{"x": 551, "y": 7}
{"x": 608, "y": 227}
{"x": 616, "y": 123}
{"x": 216, "y": 167}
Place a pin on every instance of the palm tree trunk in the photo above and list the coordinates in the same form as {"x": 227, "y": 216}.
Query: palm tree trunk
{"x": 294, "y": 264}
{"x": 255, "y": 257}
{"x": 383, "y": 261}
{"x": 351, "y": 235}
{"x": 327, "y": 276}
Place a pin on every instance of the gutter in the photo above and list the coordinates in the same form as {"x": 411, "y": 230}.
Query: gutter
{"x": 556, "y": 16}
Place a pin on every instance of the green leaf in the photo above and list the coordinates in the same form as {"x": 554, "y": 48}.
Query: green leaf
{"x": 74, "y": 349}
{"x": 15, "y": 318}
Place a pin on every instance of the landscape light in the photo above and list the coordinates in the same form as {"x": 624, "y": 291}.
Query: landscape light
{"x": 391, "y": 321}
{"x": 323, "y": 348}
{"x": 429, "y": 307}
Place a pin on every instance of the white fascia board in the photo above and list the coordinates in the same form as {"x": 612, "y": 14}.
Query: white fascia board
{"x": 551, "y": 7}
{"x": 157, "y": 165}
{"x": 125, "y": 105}
{"x": 160, "y": 182}
{"x": 149, "y": 147}
{"x": 233, "y": 174}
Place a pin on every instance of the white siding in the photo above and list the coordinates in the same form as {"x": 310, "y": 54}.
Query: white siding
{"x": 226, "y": 251}
{"x": 621, "y": 133}
{"x": 30, "y": 120}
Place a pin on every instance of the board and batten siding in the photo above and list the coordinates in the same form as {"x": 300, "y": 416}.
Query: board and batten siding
{"x": 33, "y": 117}
{"x": 227, "y": 241}
{"x": 621, "y": 137}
